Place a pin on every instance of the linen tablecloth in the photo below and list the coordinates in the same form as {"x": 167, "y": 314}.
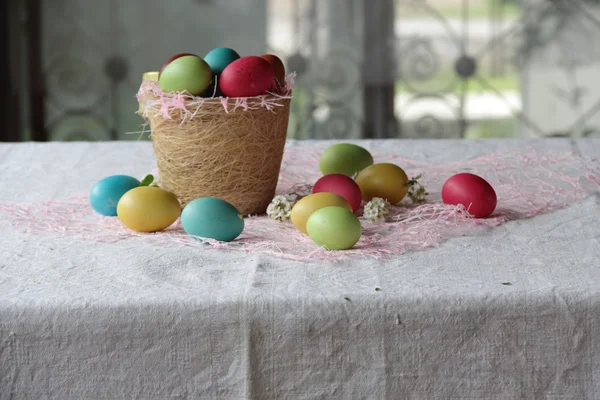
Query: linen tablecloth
{"x": 87, "y": 320}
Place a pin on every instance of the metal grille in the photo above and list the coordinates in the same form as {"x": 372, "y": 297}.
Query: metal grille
{"x": 486, "y": 69}
{"x": 96, "y": 52}
{"x": 366, "y": 68}
{"x": 321, "y": 41}
{"x": 462, "y": 68}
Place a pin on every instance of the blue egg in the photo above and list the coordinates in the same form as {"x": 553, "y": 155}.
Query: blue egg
{"x": 217, "y": 59}
{"x": 213, "y": 218}
{"x": 105, "y": 194}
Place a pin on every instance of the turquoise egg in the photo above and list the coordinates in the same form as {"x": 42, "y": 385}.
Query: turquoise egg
{"x": 217, "y": 59}
{"x": 212, "y": 218}
{"x": 105, "y": 194}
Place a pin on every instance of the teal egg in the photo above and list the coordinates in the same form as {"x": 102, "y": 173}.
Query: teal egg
{"x": 344, "y": 158}
{"x": 105, "y": 194}
{"x": 335, "y": 228}
{"x": 213, "y": 218}
{"x": 217, "y": 59}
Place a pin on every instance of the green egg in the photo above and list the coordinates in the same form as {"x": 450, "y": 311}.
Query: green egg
{"x": 187, "y": 73}
{"x": 344, "y": 158}
{"x": 335, "y": 228}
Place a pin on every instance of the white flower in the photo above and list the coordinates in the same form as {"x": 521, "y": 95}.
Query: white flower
{"x": 376, "y": 210}
{"x": 280, "y": 208}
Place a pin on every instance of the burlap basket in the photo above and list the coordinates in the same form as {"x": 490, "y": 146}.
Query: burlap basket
{"x": 225, "y": 148}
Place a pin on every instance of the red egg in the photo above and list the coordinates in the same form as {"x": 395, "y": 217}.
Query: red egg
{"x": 171, "y": 59}
{"x": 472, "y": 191}
{"x": 279, "y": 70}
{"x": 247, "y": 77}
{"x": 341, "y": 185}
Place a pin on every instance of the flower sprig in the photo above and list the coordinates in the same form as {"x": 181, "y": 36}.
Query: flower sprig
{"x": 376, "y": 210}
{"x": 416, "y": 191}
{"x": 280, "y": 208}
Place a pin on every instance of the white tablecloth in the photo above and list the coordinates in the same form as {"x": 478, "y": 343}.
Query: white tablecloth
{"x": 84, "y": 320}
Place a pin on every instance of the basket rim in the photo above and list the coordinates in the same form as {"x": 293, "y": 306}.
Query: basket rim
{"x": 154, "y": 101}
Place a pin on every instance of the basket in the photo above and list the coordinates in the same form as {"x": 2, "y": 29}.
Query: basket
{"x": 229, "y": 148}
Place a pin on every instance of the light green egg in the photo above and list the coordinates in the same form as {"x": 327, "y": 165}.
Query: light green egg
{"x": 187, "y": 73}
{"x": 344, "y": 158}
{"x": 335, "y": 228}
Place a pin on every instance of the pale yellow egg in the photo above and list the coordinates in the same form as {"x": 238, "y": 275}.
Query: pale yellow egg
{"x": 384, "y": 180}
{"x": 304, "y": 208}
{"x": 148, "y": 209}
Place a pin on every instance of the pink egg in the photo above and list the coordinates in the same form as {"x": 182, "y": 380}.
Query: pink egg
{"x": 341, "y": 185}
{"x": 472, "y": 191}
{"x": 247, "y": 77}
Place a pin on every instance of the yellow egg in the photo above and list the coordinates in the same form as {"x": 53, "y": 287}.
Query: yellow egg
{"x": 148, "y": 209}
{"x": 384, "y": 180}
{"x": 309, "y": 204}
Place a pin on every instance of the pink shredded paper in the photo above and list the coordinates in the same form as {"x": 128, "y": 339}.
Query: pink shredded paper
{"x": 527, "y": 182}
{"x": 187, "y": 106}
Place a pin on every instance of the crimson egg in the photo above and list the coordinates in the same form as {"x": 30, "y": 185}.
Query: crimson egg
{"x": 341, "y": 185}
{"x": 247, "y": 77}
{"x": 472, "y": 191}
{"x": 278, "y": 68}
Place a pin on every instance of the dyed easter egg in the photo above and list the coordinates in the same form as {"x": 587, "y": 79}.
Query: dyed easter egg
{"x": 335, "y": 228}
{"x": 219, "y": 58}
{"x": 213, "y": 218}
{"x": 384, "y": 180}
{"x": 148, "y": 209}
{"x": 278, "y": 69}
{"x": 344, "y": 158}
{"x": 247, "y": 77}
{"x": 105, "y": 194}
{"x": 186, "y": 73}
{"x": 472, "y": 191}
{"x": 172, "y": 58}
{"x": 304, "y": 208}
{"x": 342, "y": 186}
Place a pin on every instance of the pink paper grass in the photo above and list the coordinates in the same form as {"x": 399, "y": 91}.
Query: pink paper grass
{"x": 527, "y": 182}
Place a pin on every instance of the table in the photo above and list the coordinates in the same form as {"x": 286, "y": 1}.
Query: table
{"x": 84, "y": 320}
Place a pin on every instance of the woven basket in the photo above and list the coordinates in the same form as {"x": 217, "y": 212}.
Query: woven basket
{"x": 227, "y": 149}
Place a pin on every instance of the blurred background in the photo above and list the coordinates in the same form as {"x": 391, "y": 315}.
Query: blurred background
{"x": 365, "y": 68}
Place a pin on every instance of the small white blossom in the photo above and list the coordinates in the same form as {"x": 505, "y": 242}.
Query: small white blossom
{"x": 280, "y": 208}
{"x": 376, "y": 210}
